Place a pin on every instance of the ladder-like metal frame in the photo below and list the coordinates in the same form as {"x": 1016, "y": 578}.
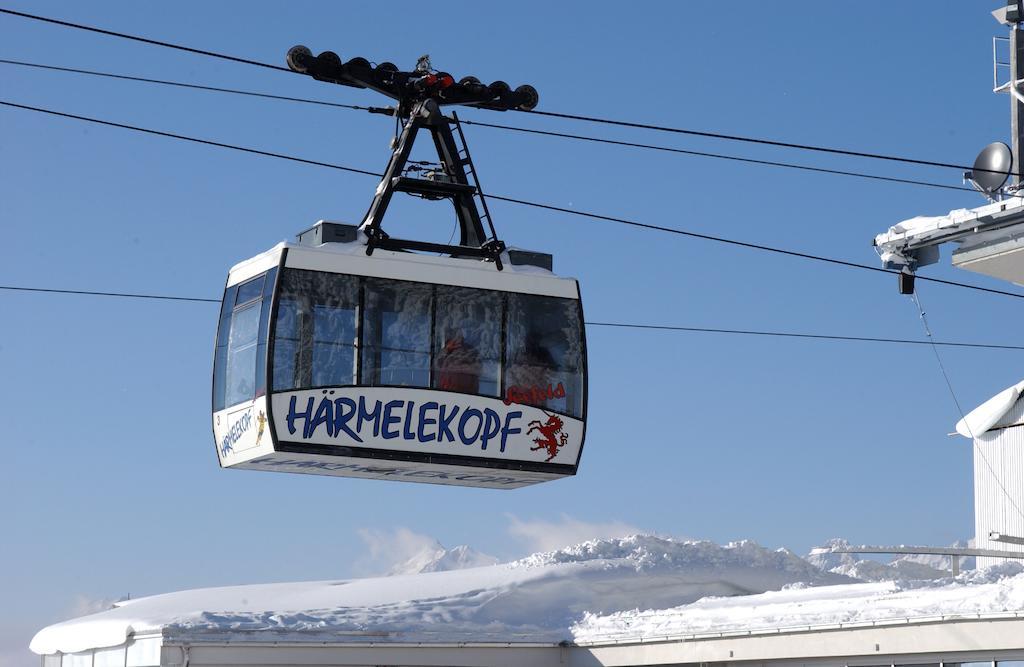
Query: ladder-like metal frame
{"x": 474, "y": 240}
{"x": 419, "y": 95}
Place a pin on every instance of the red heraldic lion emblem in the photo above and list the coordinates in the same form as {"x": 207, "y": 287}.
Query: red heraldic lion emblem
{"x": 552, "y": 439}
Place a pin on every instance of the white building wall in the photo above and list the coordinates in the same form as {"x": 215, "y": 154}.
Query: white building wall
{"x": 999, "y": 487}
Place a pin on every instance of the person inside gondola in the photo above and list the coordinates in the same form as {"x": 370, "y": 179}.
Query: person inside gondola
{"x": 530, "y": 374}
{"x": 458, "y": 365}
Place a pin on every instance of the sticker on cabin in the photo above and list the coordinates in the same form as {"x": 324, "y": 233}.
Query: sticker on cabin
{"x": 551, "y": 437}
{"x": 534, "y": 395}
{"x": 261, "y": 419}
{"x": 237, "y": 430}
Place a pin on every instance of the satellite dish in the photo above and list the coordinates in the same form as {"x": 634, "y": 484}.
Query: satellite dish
{"x": 991, "y": 167}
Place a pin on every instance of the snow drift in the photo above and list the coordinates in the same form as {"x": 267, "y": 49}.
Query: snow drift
{"x": 591, "y": 592}
{"x": 538, "y": 598}
{"x": 999, "y": 588}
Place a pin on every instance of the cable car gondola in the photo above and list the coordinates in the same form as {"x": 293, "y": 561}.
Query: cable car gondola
{"x": 355, "y": 354}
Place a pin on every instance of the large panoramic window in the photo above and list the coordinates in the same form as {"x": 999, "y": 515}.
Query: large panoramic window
{"x": 338, "y": 330}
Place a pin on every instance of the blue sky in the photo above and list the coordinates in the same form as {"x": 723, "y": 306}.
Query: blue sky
{"x": 110, "y": 477}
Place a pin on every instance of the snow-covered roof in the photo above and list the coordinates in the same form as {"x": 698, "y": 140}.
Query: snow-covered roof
{"x": 599, "y": 591}
{"x": 992, "y": 590}
{"x": 537, "y": 599}
{"x": 1002, "y": 410}
{"x": 989, "y": 239}
{"x": 922, "y": 227}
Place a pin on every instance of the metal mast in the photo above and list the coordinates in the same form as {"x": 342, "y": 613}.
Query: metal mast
{"x": 990, "y": 237}
{"x": 1012, "y": 17}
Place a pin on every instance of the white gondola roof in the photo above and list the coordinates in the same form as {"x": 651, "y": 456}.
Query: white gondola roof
{"x": 423, "y": 267}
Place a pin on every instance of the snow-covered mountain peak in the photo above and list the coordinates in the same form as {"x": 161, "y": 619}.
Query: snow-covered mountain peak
{"x": 436, "y": 558}
{"x": 909, "y": 567}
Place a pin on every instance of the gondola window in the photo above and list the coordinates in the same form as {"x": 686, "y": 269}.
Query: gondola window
{"x": 240, "y": 362}
{"x": 467, "y": 341}
{"x": 544, "y": 352}
{"x": 315, "y": 334}
{"x": 396, "y": 333}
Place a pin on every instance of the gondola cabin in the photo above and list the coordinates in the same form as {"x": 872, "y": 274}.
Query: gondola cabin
{"x": 399, "y": 366}
{"x": 357, "y": 354}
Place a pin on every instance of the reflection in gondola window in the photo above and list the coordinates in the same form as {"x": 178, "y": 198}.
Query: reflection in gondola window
{"x": 315, "y": 333}
{"x": 237, "y": 364}
{"x": 467, "y": 341}
{"x": 241, "y": 362}
{"x": 334, "y": 344}
{"x": 544, "y": 352}
{"x": 396, "y": 333}
{"x": 286, "y": 345}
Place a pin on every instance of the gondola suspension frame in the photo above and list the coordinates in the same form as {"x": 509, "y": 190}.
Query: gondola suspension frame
{"x": 420, "y": 95}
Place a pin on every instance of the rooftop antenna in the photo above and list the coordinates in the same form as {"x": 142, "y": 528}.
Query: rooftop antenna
{"x": 994, "y": 164}
{"x": 991, "y": 169}
{"x": 995, "y": 174}
{"x": 1012, "y": 15}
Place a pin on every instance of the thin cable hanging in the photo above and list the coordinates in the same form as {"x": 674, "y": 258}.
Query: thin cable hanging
{"x": 510, "y": 128}
{"x": 619, "y": 325}
{"x": 754, "y": 140}
{"x": 182, "y": 84}
{"x": 552, "y": 114}
{"x": 959, "y": 409}
{"x": 144, "y": 40}
{"x": 523, "y": 202}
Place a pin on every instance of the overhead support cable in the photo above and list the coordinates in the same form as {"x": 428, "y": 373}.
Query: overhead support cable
{"x": 551, "y": 114}
{"x": 759, "y": 141}
{"x": 181, "y": 84}
{"x": 145, "y": 40}
{"x": 182, "y": 137}
{"x": 787, "y": 334}
{"x": 619, "y": 325}
{"x": 123, "y": 295}
{"x": 742, "y": 244}
{"x": 719, "y": 156}
{"x": 523, "y": 202}
{"x": 511, "y": 128}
